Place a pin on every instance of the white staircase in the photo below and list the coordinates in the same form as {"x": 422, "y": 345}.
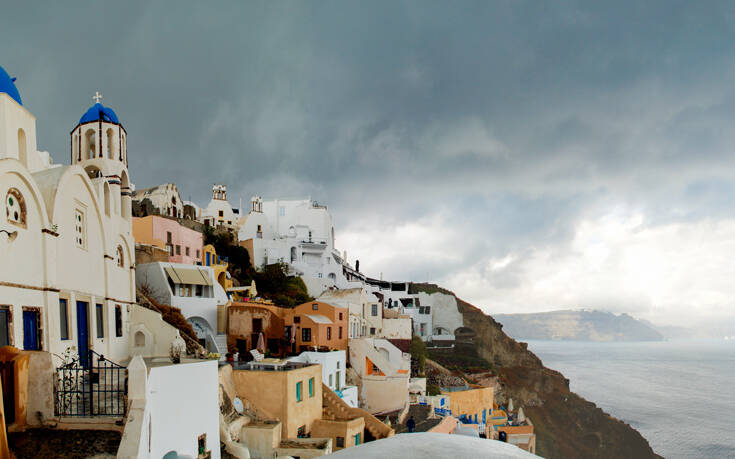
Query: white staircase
{"x": 221, "y": 342}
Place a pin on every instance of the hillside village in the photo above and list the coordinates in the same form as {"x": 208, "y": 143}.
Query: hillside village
{"x": 161, "y": 328}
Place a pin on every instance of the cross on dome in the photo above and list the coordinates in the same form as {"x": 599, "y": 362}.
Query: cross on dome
{"x": 97, "y": 97}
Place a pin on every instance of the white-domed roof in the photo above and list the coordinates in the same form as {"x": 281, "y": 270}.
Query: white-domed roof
{"x": 434, "y": 445}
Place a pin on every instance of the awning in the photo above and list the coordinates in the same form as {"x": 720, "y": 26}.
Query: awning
{"x": 193, "y": 275}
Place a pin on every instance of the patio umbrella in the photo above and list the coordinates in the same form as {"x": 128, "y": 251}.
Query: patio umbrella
{"x": 293, "y": 334}
{"x": 261, "y": 343}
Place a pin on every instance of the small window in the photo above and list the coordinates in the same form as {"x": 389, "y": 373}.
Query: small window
{"x": 299, "y": 391}
{"x": 315, "y": 307}
{"x": 63, "y": 318}
{"x": 338, "y": 364}
{"x": 340, "y": 337}
{"x": 198, "y": 254}
{"x": 169, "y": 239}
{"x": 118, "y": 321}
{"x": 306, "y": 334}
{"x": 301, "y": 432}
{"x": 257, "y": 325}
{"x": 99, "y": 311}
{"x": 375, "y": 310}
{"x": 340, "y": 316}
{"x": 120, "y": 257}
{"x": 6, "y": 326}
{"x": 80, "y": 228}
{"x": 178, "y": 250}
{"x": 186, "y": 250}
{"x": 15, "y": 208}
{"x": 331, "y": 381}
{"x": 202, "y": 447}
{"x": 320, "y": 275}
{"x": 311, "y": 387}
{"x": 340, "y": 442}
{"x": 329, "y": 333}
{"x": 372, "y": 330}
{"x": 200, "y": 290}
{"x": 139, "y": 339}
{"x": 221, "y": 213}
{"x": 297, "y": 319}
{"x": 282, "y": 211}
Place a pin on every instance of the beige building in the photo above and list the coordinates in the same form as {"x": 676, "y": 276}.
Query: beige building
{"x": 288, "y": 391}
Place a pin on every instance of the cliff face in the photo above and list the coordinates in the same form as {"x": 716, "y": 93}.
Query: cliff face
{"x": 577, "y": 326}
{"x": 566, "y": 425}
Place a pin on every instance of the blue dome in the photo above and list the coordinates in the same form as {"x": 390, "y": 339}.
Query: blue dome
{"x": 99, "y": 112}
{"x": 8, "y": 87}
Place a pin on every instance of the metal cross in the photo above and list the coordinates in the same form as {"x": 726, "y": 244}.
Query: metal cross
{"x": 97, "y": 97}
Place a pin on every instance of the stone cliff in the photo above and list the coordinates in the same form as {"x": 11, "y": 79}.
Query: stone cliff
{"x": 566, "y": 425}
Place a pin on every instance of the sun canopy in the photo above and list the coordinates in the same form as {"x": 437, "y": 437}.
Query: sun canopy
{"x": 193, "y": 275}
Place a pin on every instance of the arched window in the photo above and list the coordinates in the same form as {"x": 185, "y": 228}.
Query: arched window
{"x": 120, "y": 257}
{"x": 22, "y": 147}
{"x": 293, "y": 254}
{"x": 90, "y": 144}
{"x": 111, "y": 150}
{"x": 139, "y": 339}
{"x": 125, "y": 195}
{"x": 75, "y": 148}
{"x": 106, "y": 187}
{"x": 15, "y": 208}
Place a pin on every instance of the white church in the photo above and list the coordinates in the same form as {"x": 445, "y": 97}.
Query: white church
{"x": 67, "y": 276}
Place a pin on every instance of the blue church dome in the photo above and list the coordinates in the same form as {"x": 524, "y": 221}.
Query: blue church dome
{"x": 8, "y": 87}
{"x": 99, "y": 112}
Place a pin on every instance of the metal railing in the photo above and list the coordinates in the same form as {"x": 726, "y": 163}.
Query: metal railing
{"x": 93, "y": 387}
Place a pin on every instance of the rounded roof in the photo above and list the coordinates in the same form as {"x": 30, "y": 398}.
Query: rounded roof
{"x": 99, "y": 112}
{"x": 7, "y": 86}
{"x": 434, "y": 445}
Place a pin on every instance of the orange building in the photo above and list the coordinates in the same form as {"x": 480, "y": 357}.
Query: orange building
{"x": 247, "y": 320}
{"x": 319, "y": 325}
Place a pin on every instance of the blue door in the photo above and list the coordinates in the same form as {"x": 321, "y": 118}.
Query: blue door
{"x": 30, "y": 330}
{"x": 82, "y": 333}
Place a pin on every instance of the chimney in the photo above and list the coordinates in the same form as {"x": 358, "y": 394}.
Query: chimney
{"x": 357, "y": 265}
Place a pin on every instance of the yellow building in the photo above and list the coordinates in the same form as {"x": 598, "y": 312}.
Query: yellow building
{"x": 210, "y": 258}
{"x": 472, "y": 403}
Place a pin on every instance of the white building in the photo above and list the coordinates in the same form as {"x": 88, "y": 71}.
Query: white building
{"x": 383, "y": 373}
{"x": 65, "y": 235}
{"x": 194, "y": 290}
{"x": 158, "y": 200}
{"x": 298, "y": 232}
{"x": 334, "y": 369}
{"x": 219, "y": 212}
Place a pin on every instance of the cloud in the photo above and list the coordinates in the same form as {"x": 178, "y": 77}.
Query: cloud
{"x": 527, "y": 156}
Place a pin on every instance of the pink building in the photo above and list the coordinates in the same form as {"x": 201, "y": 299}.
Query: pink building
{"x": 183, "y": 244}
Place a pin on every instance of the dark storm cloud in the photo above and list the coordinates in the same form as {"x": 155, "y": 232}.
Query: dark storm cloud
{"x": 508, "y": 122}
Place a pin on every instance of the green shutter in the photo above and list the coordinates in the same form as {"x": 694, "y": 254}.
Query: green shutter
{"x": 298, "y": 391}
{"x": 311, "y": 387}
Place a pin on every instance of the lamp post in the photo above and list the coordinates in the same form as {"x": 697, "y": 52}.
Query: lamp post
{"x": 11, "y": 235}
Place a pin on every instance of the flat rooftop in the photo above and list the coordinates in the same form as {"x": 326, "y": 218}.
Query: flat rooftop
{"x": 270, "y": 365}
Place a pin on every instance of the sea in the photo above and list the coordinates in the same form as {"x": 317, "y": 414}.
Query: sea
{"x": 680, "y": 395}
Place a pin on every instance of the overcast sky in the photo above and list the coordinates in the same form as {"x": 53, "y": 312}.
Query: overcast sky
{"x": 528, "y": 156}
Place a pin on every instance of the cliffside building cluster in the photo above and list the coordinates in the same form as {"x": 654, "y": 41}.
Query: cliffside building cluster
{"x": 103, "y": 264}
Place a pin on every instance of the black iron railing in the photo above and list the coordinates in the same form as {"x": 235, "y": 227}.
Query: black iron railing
{"x": 93, "y": 387}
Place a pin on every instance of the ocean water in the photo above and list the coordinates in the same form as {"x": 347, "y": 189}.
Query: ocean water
{"x": 680, "y": 395}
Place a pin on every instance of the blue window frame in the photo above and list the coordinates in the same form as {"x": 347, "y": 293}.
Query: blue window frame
{"x": 299, "y": 391}
{"x": 311, "y": 387}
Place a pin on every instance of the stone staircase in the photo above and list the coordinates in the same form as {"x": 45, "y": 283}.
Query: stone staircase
{"x": 335, "y": 408}
{"x": 221, "y": 342}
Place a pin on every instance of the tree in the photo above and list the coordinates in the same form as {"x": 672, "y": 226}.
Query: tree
{"x": 418, "y": 355}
